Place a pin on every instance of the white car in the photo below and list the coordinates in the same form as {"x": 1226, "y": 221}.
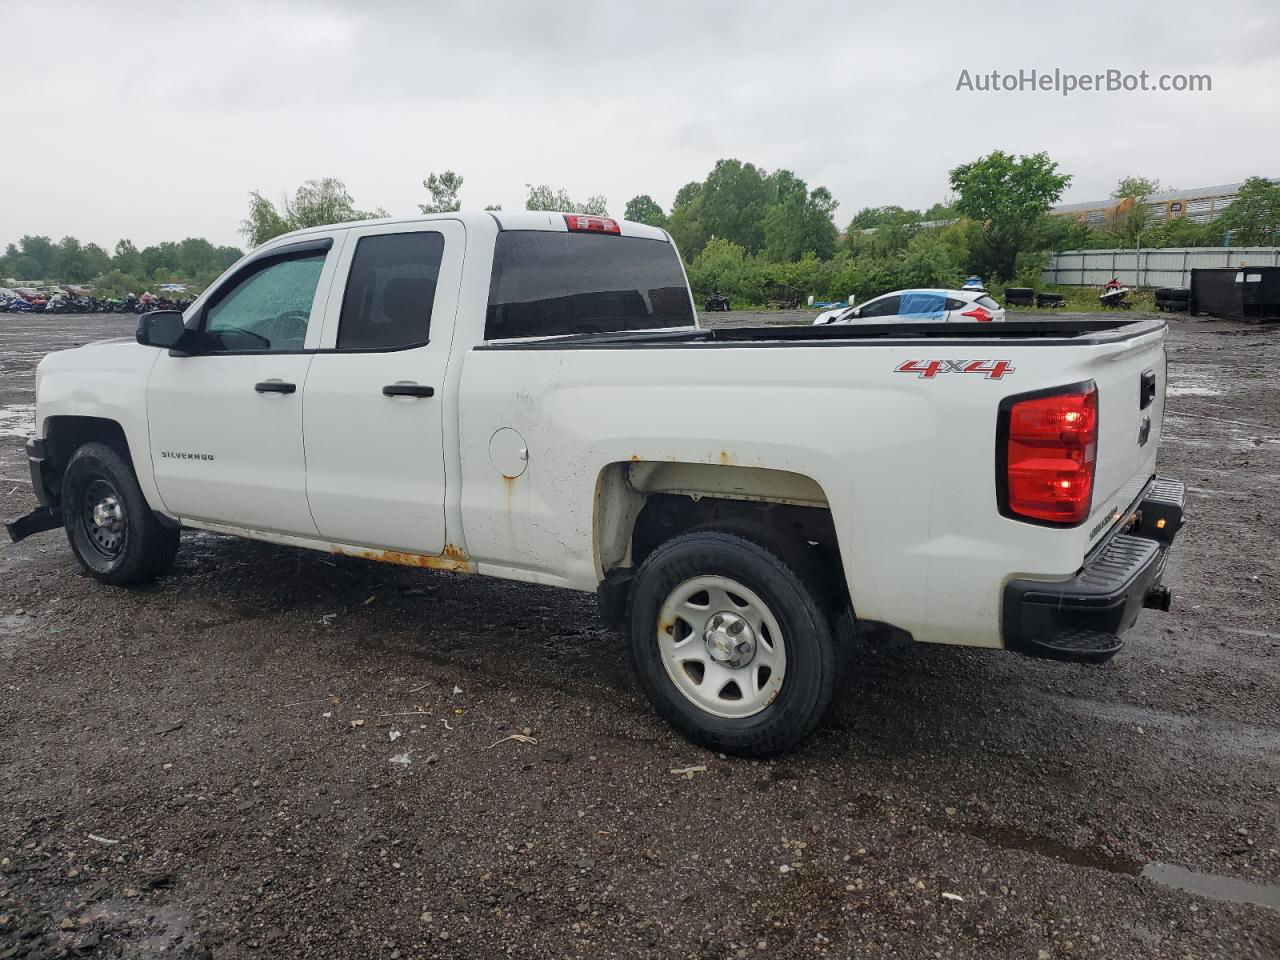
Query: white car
{"x": 528, "y": 395}
{"x": 920, "y": 306}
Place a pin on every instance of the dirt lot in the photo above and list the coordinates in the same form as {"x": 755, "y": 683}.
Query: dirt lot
{"x": 206, "y": 767}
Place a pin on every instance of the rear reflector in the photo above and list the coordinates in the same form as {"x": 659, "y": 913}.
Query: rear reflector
{"x": 586, "y": 224}
{"x": 1048, "y": 451}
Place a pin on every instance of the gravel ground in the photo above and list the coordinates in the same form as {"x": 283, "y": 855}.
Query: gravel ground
{"x": 276, "y": 753}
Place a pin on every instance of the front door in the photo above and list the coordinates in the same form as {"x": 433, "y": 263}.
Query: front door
{"x": 226, "y": 420}
{"x": 374, "y": 403}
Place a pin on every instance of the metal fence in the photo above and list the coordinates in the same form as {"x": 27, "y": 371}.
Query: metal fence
{"x": 1169, "y": 267}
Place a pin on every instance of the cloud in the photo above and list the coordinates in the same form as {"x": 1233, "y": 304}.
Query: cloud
{"x": 161, "y": 117}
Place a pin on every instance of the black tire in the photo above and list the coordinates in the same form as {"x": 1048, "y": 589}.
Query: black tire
{"x": 125, "y": 543}
{"x": 787, "y": 581}
{"x": 1173, "y": 293}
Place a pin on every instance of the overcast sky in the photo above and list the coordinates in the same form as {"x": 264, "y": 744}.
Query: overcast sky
{"x": 154, "y": 120}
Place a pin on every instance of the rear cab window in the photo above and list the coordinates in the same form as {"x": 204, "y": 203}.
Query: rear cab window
{"x": 547, "y": 284}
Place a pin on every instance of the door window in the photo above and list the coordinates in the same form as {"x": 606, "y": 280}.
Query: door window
{"x": 390, "y": 292}
{"x": 922, "y": 305}
{"x": 266, "y": 310}
{"x": 884, "y": 307}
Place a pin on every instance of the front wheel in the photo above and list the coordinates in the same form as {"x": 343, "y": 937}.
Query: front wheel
{"x": 114, "y": 534}
{"x": 731, "y": 641}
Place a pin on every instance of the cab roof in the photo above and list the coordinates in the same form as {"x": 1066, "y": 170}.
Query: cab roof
{"x": 552, "y": 221}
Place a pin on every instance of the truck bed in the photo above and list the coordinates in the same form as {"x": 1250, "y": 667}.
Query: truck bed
{"x": 1012, "y": 333}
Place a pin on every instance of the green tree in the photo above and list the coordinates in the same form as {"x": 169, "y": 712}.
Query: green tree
{"x": 1182, "y": 232}
{"x": 940, "y": 211}
{"x": 1253, "y": 219}
{"x": 443, "y": 188}
{"x": 116, "y": 283}
{"x": 734, "y": 199}
{"x": 316, "y": 203}
{"x": 542, "y": 197}
{"x": 127, "y": 259}
{"x": 724, "y": 266}
{"x": 685, "y": 224}
{"x": 800, "y": 223}
{"x": 644, "y": 209}
{"x": 70, "y": 263}
{"x": 870, "y": 218}
{"x": 264, "y": 220}
{"x": 1135, "y": 188}
{"x": 32, "y": 258}
{"x": 1008, "y": 195}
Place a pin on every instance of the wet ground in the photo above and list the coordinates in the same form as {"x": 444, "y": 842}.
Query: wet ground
{"x": 275, "y": 753}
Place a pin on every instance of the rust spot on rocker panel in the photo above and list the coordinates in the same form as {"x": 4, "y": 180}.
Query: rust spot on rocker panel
{"x": 452, "y": 560}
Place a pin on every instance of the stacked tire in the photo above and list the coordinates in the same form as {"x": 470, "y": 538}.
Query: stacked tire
{"x": 1173, "y": 299}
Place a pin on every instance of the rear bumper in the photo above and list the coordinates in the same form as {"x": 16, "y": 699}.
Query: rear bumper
{"x": 48, "y": 515}
{"x": 1081, "y": 619}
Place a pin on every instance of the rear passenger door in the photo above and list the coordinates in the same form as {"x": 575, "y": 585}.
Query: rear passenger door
{"x": 374, "y": 401}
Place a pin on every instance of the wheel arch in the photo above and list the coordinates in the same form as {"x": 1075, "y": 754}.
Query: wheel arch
{"x": 640, "y": 504}
{"x": 64, "y": 434}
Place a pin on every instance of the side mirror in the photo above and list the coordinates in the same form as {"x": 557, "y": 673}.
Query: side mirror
{"x": 161, "y": 328}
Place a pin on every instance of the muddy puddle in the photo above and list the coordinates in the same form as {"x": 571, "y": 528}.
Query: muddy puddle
{"x": 18, "y": 420}
{"x": 1211, "y": 885}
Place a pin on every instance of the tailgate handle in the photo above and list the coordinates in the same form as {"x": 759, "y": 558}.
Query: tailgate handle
{"x": 1147, "y": 392}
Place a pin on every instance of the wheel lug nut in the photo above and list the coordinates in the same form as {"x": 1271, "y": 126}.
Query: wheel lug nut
{"x": 735, "y": 628}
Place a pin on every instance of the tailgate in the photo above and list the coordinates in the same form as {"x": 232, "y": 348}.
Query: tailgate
{"x": 1130, "y": 379}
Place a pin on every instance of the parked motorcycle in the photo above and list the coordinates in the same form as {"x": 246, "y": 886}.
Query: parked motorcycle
{"x": 718, "y": 301}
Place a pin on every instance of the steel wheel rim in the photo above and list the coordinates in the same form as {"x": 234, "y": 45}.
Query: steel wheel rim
{"x": 704, "y": 629}
{"x": 102, "y": 518}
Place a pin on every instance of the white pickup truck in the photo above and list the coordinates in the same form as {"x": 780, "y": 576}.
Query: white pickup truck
{"x": 530, "y": 396}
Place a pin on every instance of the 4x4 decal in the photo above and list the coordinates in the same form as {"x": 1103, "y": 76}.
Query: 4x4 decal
{"x": 928, "y": 369}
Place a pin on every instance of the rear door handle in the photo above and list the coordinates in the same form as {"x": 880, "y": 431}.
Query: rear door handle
{"x": 275, "y": 386}
{"x": 407, "y": 390}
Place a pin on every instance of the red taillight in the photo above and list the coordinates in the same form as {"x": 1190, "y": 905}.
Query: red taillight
{"x": 979, "y": 314}
{"x": 1050, "y": 454}
{"x": 587, "y": 224}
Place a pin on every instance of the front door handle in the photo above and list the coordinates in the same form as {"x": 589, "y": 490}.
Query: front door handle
{"x": 275, "y": 386}
{"x": 407, "y": 390}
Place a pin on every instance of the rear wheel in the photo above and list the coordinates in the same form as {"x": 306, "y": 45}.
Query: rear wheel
{"x": 113, "y": 533}
{"x": 732, "y": 641}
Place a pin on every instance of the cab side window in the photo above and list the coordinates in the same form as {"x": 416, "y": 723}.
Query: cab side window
{"x": 390, "y": 292}
{"x": 267, "y": 309}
